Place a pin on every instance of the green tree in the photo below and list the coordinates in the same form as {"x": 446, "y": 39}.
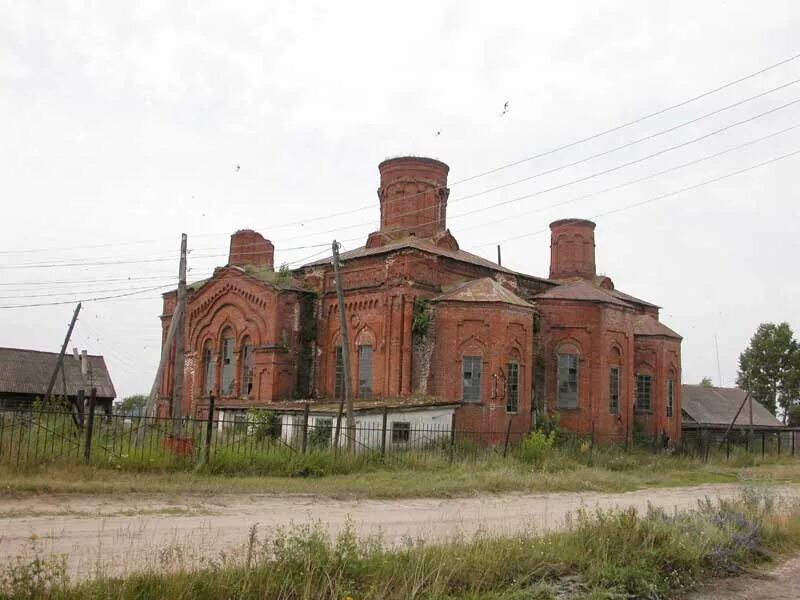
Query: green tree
{"x": 706, "y": 382}
{"x": 132, "y": 404}
{"x": 770, "y": 368}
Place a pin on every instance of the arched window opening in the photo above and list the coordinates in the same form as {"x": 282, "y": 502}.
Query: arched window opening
{"x": 365, "y": 371}
{"x": 246, "y": 359}
{"x": 208, "y": 368}
{"x": 227, "y": 363}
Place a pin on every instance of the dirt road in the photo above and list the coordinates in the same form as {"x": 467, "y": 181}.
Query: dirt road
{"x": 778, "y": 583}
{"x": 118, "y": 534}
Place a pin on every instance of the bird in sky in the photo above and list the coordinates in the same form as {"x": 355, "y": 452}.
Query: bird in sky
{"x": 438, "y": 132}
{"x": 505, "y": 109}
{"x": 238, "y": 167}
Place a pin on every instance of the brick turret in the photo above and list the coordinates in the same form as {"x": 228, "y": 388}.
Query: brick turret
{"x": 572, "y": 249}
{"x": 413, "y": 198}
{"x": 249, "y": 247}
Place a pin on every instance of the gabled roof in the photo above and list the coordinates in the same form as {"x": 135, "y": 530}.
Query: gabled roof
{"x": 717, "y": 406}
{"x": 275, "y": 279}
{"x": 647, "y": 325}
{"x": 484, "y": 289}
{"x": 425, "y": 246}
{"x": 29, "y": 371}
{"x": 580, "y": 289}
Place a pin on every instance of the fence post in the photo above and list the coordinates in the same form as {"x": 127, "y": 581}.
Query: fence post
{"x": 87, "y": 448}
{"x": 452, "y": 436}
{"x": 747, "y": 442}
{"x": 705, "y": 454}
{"x": 508, "y": 435}
{"x": 780, "y": 437}
{"x": 763, "y": 443}
{"x": 727, "y": 448}
{"x": 794, "y": 435}
{"x": 383, "y": 432}
{"x": 305, "y": 427}
{"x": 209, "y": 427}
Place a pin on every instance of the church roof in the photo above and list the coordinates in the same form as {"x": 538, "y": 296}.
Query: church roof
{"x": 717, "y": 406}
{"x": 580, "y": 289}
{"x": 647, "y": 325}
{"x": 485, "y": 289}
{"x": 425, "y": 246}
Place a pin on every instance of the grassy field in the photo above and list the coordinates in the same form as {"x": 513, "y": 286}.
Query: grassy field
{"x": 605, "y": 471}
{"x": 614, "y": 554}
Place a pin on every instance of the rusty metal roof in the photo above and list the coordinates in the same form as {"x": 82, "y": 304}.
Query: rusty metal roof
{"x": 425, "y": 246}
{"x": 580, "y": 289}
{"x": 484, "y": 289}
{"x": 29, "y": 371}
{"x": 715, "y": 406}
{"x": 647, "y": 325}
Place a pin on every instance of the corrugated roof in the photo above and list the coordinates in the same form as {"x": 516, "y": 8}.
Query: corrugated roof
{"x": 484, "y": 289}
{"x": 717, "y": 406}
{"x": 581, "y": 289}
{"x": 647, "y": 325}
{"x": 425, "y": 246}
{"x": 29, "y": 371}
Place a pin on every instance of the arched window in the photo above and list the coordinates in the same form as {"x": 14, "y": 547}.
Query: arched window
{"x": 246, "y": 358}
{"x": 614, "y": 380}
{"x": 208, "y": 368}
{"x": 670, "y": 403}
{"x": 227, "y": 363}
{"x": 366, "y": 344}
{"x": 471, "y": 376}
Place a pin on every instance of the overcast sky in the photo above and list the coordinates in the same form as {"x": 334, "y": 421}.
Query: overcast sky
{"x": 122, "y": 125}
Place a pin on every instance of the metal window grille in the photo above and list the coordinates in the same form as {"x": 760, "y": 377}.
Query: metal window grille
{"x": 567, "y": 381}
{"x": 644, "y": 393}
{"x": 227, "y": 366}
{"x": 364, "y": 371}
{"x": 512, "y": 387}
{"x": 401, "y": 431}
{"x": 247, "y": 369}
{"x": 471, "y": 371}
{"x": 613, "y": 391}
{"x": 670, "y": 396}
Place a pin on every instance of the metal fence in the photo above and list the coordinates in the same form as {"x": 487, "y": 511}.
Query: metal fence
{"x": 41, "y": 436}
{"x": 268, "y": 442}
{"x": 703, "y": 440}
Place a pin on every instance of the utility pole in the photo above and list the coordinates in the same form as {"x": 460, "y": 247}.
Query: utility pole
{"x": 499, "y": 258}
{"x": 59, "y": 362}
{"x": 176, "y": 404}
{"x": 348, "y": 399}
{"x": 177, "y": 317}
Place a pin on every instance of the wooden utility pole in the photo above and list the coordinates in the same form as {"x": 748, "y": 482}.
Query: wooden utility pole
{"x": 348, "y": 398}
{"x": 60, "y": 361}
{"x": 176, "y": 403}
{"x": 499, "y": 258}
{"x": 177, "y": 317}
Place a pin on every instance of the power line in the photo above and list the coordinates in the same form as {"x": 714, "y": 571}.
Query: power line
{"x": 631, "y": 182}
{"x": 656, "y": 198}
{"x": 96, "y": 299}
{"x": 478, "y": 175}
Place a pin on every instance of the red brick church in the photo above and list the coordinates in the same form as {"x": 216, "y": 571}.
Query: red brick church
{"x": 431, "y": 325}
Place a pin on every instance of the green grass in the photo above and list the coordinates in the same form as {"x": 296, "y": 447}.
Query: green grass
{"x": 604, "y": 472}
{"x": 605, "y": 554}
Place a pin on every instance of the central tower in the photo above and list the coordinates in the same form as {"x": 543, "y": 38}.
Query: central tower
{"x": 413, "y": 201}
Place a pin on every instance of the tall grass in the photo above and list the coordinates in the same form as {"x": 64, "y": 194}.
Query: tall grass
{"x": 603, "y": 554}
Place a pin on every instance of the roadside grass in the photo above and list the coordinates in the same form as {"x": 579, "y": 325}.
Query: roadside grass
{"x": 602, "y": 554}
{"x": 559, "y": 470}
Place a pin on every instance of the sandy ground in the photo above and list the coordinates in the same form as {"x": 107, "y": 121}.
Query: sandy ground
{"x": 118, "y": 534}
{"x": 779, "y": 583}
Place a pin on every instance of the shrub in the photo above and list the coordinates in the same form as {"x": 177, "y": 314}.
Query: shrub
{"x": 536, "y": 447}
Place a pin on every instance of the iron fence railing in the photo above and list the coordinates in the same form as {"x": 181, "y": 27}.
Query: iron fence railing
{"x": 59, "y": 435}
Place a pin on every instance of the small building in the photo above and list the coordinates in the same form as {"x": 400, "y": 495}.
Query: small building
{"x": 715, "y": 407}
{"x": 25, "y": 374}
